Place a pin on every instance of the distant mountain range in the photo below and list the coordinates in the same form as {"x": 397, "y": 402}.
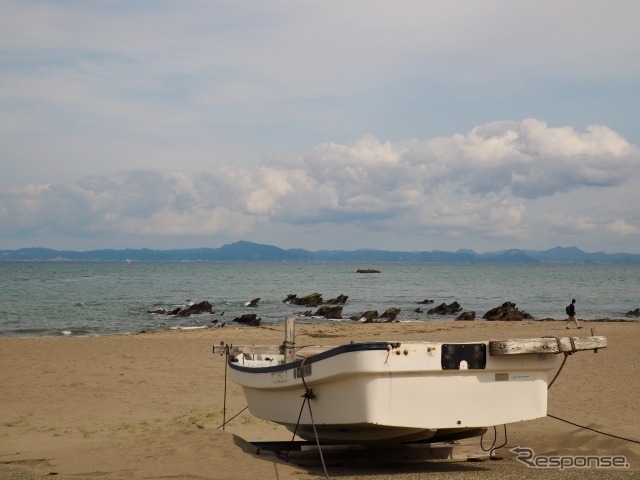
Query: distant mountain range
{"x": 254, "y": 252}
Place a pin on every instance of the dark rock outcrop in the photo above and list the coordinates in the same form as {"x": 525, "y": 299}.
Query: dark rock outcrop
{"x": 425, "y": 301}
{"x": 313, "y": 300}
{"x": 367, "y": 270}
{"x": 444, "y": 309}
{"x": 248, "y": 319}
{"x": 369, "y": 316}
{"x": 162, "y": 311}
{"x": 340, "y": 299}
{"x": 195, "y": 309}
{"x": 633, "y": 313}
{"x": 290, "y": 298}
{"x": 390, "y": 314}
{"x": 467, "y": 316}
{"x": 507, "y": 312}
{"x": 253, "y": 303}
{"x": 329, "y": 311}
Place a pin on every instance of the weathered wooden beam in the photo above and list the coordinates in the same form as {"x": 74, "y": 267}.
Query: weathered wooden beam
{"x": 546, "y": 345}
{"x": 234, "y": 350}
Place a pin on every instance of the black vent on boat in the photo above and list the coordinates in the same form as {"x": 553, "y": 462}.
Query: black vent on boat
{"x": 474, "y": 354}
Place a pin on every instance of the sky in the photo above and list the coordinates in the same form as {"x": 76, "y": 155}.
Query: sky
{"x": 397, "y": 125}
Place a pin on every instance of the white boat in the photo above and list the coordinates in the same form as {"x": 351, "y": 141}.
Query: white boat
{"x": 398, "y": 392}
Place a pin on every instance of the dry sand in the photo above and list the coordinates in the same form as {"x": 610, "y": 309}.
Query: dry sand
{"x": 148, "y": 406}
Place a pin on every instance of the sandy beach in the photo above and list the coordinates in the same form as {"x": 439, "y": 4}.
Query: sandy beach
{"x": 149, "y": 406}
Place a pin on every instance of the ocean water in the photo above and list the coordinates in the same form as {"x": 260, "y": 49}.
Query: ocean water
{"x": 95, "y": 298}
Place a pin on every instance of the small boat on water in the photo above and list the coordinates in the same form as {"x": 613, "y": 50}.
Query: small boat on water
{"x": 399, "y": 391}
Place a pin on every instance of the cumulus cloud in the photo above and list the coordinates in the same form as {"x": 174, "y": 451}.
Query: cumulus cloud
{"x": 486, "y": 183}
{"x": 531, "y": 159}
{"x": 622, "y": 228}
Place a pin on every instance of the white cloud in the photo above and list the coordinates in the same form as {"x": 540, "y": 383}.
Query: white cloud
{"x": 532, "y": 159}
{"x": 622, "y": 228}
{"x": 273, "y": 185}
{"x": 494, "y": 183}
{"x": 144, "y": 85}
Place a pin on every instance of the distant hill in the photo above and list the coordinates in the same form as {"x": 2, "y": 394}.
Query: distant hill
{"x": 253, "y": 252}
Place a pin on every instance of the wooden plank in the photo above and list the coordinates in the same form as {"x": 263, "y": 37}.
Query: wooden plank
{"x": 546, "y": 345}
{"x": 370, "y": 455}
{"x": 234, "y": 350}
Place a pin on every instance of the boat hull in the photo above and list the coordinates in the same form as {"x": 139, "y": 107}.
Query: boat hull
{"x": 395, "y": 392}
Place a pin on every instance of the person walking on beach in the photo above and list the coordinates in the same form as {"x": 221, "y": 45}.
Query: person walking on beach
{"x": 571, "y": 313}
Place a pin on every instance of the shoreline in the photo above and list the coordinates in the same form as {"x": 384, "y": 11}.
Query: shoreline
{"x": 149, "y": 404}
{"x": 320, "y": 321}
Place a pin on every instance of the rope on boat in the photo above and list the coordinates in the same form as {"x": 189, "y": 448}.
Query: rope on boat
{"x": 313, "y": 423}
{"x": 307, "y": 396}
{"x": 493, "y": 446}
{"x": 231, "y": 419}
{"x": 295, "y": 430}
{"x": 224, "y": 403}
{"x": 308, "y": 391}
{"x": 566, "y": 356}
{"x": 594, "y": 430}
